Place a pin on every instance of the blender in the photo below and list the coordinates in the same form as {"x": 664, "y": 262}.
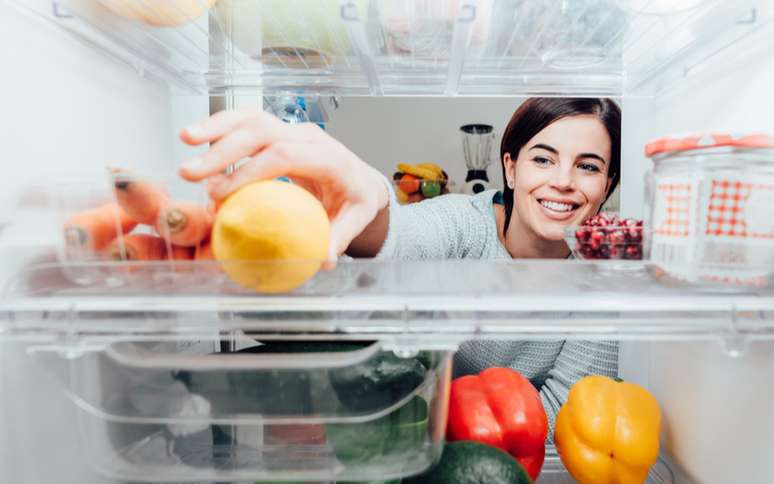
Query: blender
{"x": 477, "y": 140}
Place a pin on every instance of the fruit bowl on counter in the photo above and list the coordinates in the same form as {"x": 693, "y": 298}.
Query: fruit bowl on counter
{"x": 608, "y": 237}
{"x": 414, "y": 183}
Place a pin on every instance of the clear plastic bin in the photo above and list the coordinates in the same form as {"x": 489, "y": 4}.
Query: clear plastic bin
{"x": 83, "y": 220}
{"x": 614, "y": 242}
{"x": 181, "y": 411}
{"x": 411, "y": 47}
{"x": 128, "y": 229}
{"x": 424, "y": 29}
{"x": 176, "y": 411}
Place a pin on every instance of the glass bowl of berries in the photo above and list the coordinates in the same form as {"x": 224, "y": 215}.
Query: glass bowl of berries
{"x": 608, "y": 237}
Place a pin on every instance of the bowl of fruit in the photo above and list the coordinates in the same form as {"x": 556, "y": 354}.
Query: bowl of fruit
{"x": 414, "y": 183}
{"x": 608, "y": 237}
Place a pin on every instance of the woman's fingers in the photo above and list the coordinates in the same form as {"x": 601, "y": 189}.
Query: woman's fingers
{"x": 280, "y": 159}
{"x": 302, "y": 152}
{"x": 218, "y": 125}
{"x": 242, "y": 143}
{"x": 247, "y": 139}
{"x": 264, "y": 166}
{"x": 304, "y": 160}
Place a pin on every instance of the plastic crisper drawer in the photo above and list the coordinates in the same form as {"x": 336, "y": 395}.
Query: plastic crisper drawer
{"x": 176, "y": 411}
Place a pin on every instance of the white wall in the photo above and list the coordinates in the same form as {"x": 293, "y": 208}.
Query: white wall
{"x": 64, "y": 110}
{"x": 386, "y": 131}
{"x": 68, "y": 111}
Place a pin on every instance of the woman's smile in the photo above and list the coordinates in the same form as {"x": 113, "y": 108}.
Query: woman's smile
{"x": 558, "y": 209}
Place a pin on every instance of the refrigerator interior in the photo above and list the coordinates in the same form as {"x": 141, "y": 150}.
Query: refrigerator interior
{"x": 88, "y": 88}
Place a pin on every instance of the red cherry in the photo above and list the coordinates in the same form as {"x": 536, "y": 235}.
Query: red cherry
{"x": 617, "y": 252}
{"x": 633, "y": 252}
{"x": 597, "y": 238}
{"x": 604, "y": 252}
{"x": 634, "y": 234}
{"x": 617, "y": 237}
{"x": 586, "y": 251}
{"x": 583, "y": 234}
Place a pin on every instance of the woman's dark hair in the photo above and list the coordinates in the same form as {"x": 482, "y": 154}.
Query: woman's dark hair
{"x": 537, "y": 113}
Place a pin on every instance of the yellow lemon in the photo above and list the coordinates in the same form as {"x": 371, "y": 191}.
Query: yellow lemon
{"x": 271, "y": 236}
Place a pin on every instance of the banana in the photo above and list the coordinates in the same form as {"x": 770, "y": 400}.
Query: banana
{"x": 418, "y": 171}
{"x": 432, "y": 166}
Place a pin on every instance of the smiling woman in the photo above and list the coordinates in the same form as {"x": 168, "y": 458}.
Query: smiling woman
{"x": 560, "y": 160}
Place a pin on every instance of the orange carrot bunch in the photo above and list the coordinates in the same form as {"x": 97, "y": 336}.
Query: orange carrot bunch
{"x": 138, "y": 247}
{"x": 204, "y": 252}
{"x": 182, "y": 228}
{"x": 184, "y": 223}
{"x": 96, "y": 228}
{"x": 141, "y": 199}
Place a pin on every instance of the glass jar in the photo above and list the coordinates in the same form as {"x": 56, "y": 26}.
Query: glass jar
{"x": 711, "y": 207}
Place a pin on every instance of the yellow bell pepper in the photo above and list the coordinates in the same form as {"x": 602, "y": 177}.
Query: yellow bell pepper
{"x": 608, "y": 431}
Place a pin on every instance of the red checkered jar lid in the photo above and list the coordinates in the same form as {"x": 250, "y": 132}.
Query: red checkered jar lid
{"x": 680, "y": 144}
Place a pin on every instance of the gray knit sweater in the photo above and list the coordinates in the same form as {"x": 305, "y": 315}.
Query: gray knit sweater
{"x": 464, "y": 227}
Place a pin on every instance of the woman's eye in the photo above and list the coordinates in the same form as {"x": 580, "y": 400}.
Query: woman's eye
{"x": 590, "y": 167}
{"x": 541, "y": 160}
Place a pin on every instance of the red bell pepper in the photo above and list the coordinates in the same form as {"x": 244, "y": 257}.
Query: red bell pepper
{"x": 500, "y": 407}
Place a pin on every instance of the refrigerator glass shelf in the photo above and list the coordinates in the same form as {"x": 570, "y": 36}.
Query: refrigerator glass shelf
{"x": 404, "y": 304}
{"x": 408, "y": 47}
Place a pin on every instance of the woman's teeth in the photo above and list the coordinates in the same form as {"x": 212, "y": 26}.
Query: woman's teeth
{"x": 557, "y": 206}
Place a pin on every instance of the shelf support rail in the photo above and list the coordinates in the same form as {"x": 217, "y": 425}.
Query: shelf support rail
{"x": 461, "y": 37}
{"x": 58, "y": 11}
{"x": 735, "y": 342}
{"x": 357, "y": 35}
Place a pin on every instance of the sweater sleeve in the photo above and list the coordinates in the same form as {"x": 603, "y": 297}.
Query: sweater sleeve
{"x": 576, "y": 360}
{"x": 437, "y": 228}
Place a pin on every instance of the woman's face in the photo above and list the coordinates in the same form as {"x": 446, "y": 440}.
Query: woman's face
{"x": 560, "y": 176}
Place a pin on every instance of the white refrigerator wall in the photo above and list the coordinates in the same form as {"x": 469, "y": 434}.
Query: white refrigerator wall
{"x": 719, "y": 422}
{"x": 65, "y": 110}
{"x": 68, "y": 109}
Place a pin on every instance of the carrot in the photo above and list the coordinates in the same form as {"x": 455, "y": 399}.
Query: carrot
{"x": 184, "y": 223}
{"x": 96, "y": 228}
{"x": 138, "y": 247}
{"x": 182, "y": 253}
{"x": 204, "y": 252}
{"x": 141, "y": 199}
